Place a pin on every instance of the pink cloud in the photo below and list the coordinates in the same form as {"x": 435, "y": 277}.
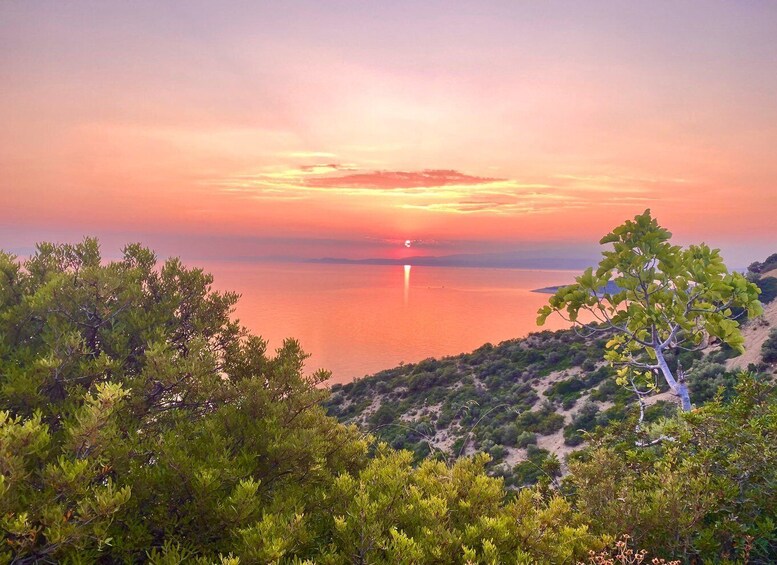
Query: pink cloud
{"x": 399, "y": 179}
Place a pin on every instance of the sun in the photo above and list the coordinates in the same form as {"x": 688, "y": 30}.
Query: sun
{"x": 408, "y": 243}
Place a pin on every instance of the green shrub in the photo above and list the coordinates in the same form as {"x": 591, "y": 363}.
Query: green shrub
{"x": 768, "y": 286}
{"x": 526, "y": 439}
{"x": 544, "y": 421}
{"x": 699, "y": 497}
{"x": 585, "y": 420}
{"x": 540, "y": 466}
{"x": 769, "y": 348}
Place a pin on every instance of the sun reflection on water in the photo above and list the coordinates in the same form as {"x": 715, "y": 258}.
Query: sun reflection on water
{"x": 407, "y": 282}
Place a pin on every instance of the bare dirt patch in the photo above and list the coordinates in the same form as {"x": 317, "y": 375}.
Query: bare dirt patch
{"x": 555, "y": 444}
{"x": 755, "y": 332}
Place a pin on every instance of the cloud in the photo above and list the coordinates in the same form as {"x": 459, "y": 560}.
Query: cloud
{"x": 333, "y": 178}
{"x": 617, "y": 183}
{"x": 499, "y": 203}
{"x": 447, "y": 191}
{"x": 325, "y": 168}
{"x": 387, "y": 180}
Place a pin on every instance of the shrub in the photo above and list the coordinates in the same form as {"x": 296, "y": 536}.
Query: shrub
{"x": 584, "y": 420}
{"x": 544, "y": 421}
{"x": 768, "y": 286}
{"x": 698, "y": 497}
{"x": 769, "y": 348}
{"x": 540, "y": 466}
{"x": 526, "y": 439}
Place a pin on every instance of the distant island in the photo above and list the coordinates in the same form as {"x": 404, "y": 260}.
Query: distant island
{"x": 548, "y": 289}
{"x": 609, "y": 288}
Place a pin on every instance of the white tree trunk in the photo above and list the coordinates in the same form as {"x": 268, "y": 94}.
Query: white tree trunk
{"x": 679, "y": 388}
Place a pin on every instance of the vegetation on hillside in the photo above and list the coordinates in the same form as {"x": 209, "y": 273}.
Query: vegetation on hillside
{"x": 765, "y": 276}
{"x": 527, "y": 401}
{"x": 708, "y": 494}
{"x": 139, "y": 422}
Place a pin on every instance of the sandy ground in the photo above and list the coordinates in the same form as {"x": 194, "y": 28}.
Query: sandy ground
{"x": 667, "y": 396}
{"x": 755, "y": 333}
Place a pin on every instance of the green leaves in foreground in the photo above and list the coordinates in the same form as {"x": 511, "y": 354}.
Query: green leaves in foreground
{"x": 392, "y": 513}
{"x": 707, "y": 496}
{"x": 57, "y": 495}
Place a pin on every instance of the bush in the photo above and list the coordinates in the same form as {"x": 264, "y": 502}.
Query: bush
{"x": 544, "y": 421}
{"x": 697, "y": 498}
{"x": 526, "y": 439}
{"x": 136, "y": 415}
{"x": 606, "y": 391}
{"x": 707, "y": 378}
{"x": 769, "y": 348}
{"x": 584, "y": 420}
{"x": 540, "y": 466}
{"x": 386, "y": 414}
{"x": 768, "y": 286}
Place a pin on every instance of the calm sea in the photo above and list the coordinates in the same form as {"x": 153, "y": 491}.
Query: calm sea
{"x": 356, "y": 320}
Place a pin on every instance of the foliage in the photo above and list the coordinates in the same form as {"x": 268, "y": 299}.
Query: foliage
{"x": 140, "y": 422}
{"x": 585, "y": 420}
{"x": 136, "y": 413}
{"x": 541, "y": 466}
{"x": 768, "y": 287}
{"x": 57, "y": 493}
{"x": 486, "y": 397}
{"x": 706, "y": 379}
{"x": 544, "y": 421}
{"x": 393, "y": 513}
{"x": 769, "y": 348}
{"x": 656, "y": 297}
{"x": 769, "y": 264}
{"x": 763, "y": 275}
{"x": 704, "y": 495}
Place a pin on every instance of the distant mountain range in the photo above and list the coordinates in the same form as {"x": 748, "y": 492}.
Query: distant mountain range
{"x": 480, "y": 260}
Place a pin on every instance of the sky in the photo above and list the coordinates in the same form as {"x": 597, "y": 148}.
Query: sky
{"x": 345, "y": 129}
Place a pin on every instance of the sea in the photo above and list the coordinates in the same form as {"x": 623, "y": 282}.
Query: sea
{"x": 355, "y": 320}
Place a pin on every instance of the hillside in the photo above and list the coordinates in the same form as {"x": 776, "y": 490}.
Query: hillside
{"x": 529, "y": 402}
{"x": 139, "y": 423}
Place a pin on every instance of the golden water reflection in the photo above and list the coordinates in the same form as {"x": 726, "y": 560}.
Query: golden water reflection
{"x": 356, "y": 319}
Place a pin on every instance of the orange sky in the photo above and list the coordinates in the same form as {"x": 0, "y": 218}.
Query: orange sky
{"x": 344, "y": 128}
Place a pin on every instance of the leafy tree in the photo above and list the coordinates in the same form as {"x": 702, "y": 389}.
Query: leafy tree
{"x": 708, "y": 495}
{"x": 656, "y": 298}
{"x": 136, "y": 414}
